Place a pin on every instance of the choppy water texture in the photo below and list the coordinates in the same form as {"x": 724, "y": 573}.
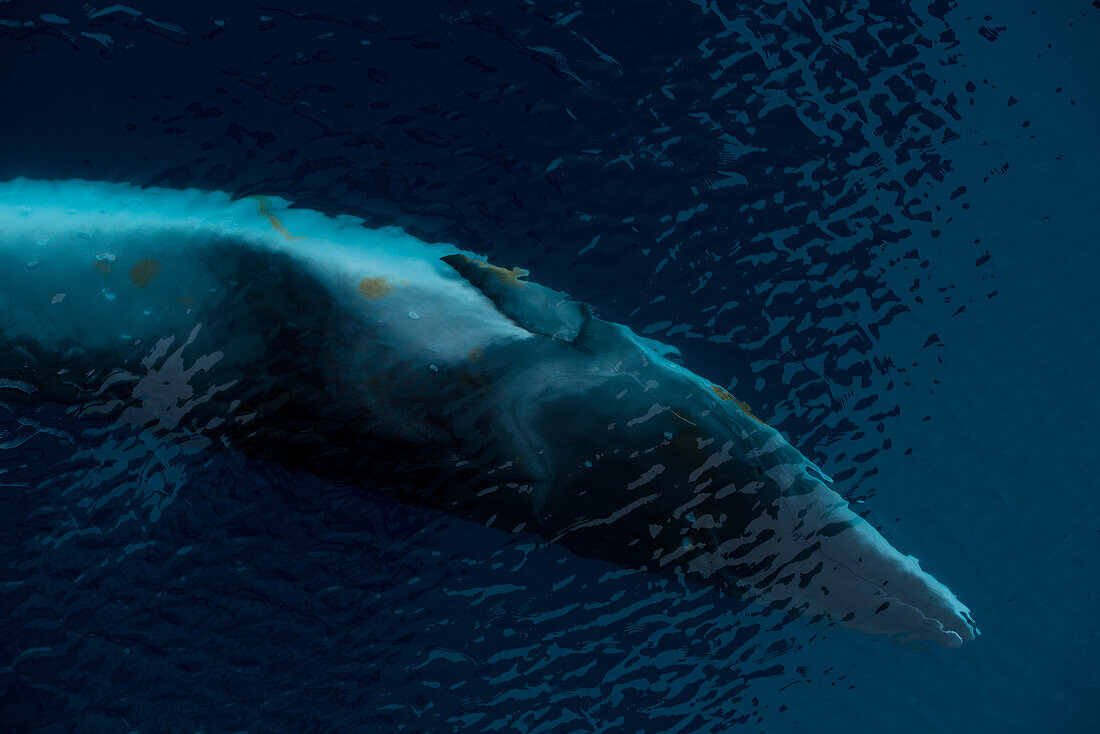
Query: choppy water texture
{"x": 875, "y": 222}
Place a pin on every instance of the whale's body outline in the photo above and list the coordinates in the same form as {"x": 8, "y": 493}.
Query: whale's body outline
{"x": 498, "y": 399}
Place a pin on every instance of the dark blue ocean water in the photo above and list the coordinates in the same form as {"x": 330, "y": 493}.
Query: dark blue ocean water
{"x": 876, "y": 222}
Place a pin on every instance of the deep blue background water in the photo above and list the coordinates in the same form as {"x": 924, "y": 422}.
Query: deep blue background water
{"x": 876, "y": 222}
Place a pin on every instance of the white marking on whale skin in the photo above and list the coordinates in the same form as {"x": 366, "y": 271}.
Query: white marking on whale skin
{"x": 486, "y": 359}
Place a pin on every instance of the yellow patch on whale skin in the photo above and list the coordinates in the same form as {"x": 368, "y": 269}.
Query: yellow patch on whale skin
{"x": 725, "y": 396}
{"x": 473, "y": 378}
{"x": 506, "y": 276}
{"x": 104, "y": 266}
{"x": 144, "y": 272}
{"x": 374, "y": 288}
{"x": 263, "y": 206}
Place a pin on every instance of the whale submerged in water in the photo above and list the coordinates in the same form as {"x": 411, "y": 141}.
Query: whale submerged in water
{"x": 371, "y": 356}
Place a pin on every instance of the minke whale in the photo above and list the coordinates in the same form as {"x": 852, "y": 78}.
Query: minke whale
{"x": 380, "y": 360}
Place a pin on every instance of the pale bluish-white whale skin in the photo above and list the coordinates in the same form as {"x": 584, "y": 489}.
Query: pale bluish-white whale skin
{"x": 160, "y": 308}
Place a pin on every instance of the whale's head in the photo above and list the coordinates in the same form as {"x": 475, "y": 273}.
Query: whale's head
{"x": 640, "y": 452}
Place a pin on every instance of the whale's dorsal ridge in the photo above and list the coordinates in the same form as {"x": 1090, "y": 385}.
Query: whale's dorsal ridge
{"x": 667, "y": 351}
{"x": 534, "y": 307}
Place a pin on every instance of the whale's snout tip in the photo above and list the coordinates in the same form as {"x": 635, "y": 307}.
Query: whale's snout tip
{"x": 960, "y": 628}
{"x": 954, "y": 636}
{"x": 944, "y": 619}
